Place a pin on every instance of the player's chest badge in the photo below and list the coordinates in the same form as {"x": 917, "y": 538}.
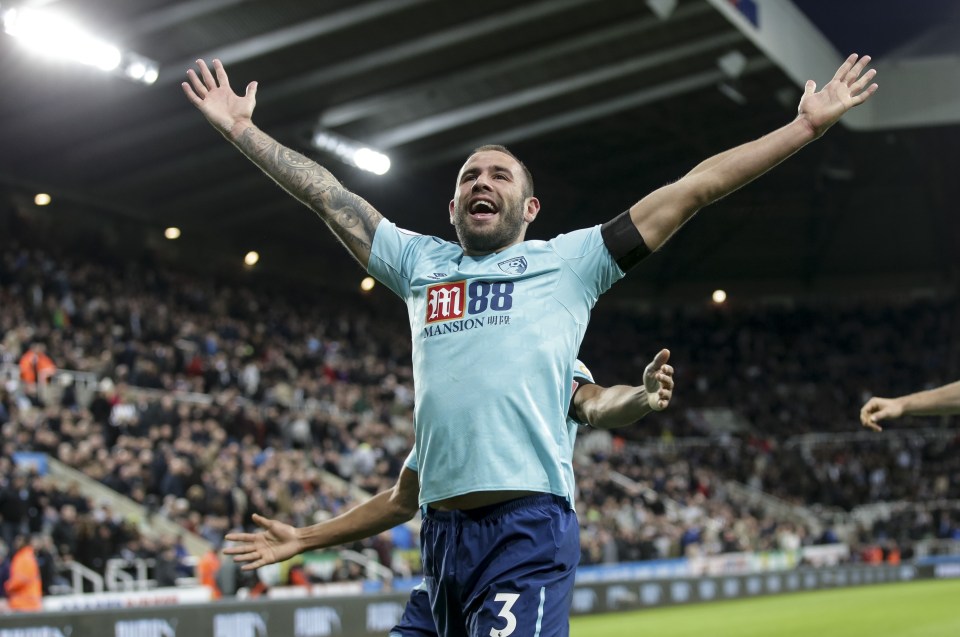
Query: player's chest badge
{"x": 516, "y": 265}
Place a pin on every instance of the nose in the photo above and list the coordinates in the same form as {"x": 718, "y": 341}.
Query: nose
{"x": 480, "y": 183}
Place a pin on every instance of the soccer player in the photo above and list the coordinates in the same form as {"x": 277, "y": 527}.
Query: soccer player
{"x": 942, "y": 401}
{"x": 496, "y": 323}
{"x": 593, "y": 405}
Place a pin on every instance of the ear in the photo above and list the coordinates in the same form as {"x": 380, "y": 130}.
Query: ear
{"x": 531, "y": 210}
{"x": 451, "y": 212}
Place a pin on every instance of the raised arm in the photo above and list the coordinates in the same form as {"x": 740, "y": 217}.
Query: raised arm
{"x": 351, "y": 219}
{"x": 278, "y": 541}
{"x": 941, "y": 401}
{"x": 662, "y": 212}
{"x": 622, "y": 405}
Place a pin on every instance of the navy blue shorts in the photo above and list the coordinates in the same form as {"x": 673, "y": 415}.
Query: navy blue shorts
{"x": 504, "y": 570}
{"x": 417, "y": 619}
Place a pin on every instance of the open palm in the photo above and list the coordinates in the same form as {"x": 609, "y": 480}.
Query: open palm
{"x": 276, "y": 543}
{"x": 216, "y": 100}
{"x": 846, "y": 90}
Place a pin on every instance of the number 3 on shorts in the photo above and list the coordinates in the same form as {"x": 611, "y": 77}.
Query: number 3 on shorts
{"x": 508, "y": 599}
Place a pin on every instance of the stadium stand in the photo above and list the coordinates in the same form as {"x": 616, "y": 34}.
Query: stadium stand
{"x": 201, "y": 403}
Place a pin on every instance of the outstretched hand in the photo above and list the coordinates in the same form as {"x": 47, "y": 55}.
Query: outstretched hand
{"x": 216, "y": 100}
{"x": 276, "y": 543}
{"x": 821, "y": 109}
{"x": 658, "y": 381}
{"x": 877, "y": 409}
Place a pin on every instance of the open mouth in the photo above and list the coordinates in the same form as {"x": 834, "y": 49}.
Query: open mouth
{"x": 482, "y": 209}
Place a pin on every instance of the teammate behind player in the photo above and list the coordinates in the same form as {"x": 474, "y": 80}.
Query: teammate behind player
{"x": 941, "y": 401}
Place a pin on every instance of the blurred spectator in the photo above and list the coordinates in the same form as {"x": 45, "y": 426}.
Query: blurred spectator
{"x": 36, "y": 369}
{"x": 165, "y": 571}
{"x": 207, "y": 568}
{"x": 24, "y": 587}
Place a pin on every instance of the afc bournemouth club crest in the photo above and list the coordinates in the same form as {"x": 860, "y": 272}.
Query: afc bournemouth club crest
{"x": 516, "y": 265}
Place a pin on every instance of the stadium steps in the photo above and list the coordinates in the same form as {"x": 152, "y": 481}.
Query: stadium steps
{"x": 151, "y": 525}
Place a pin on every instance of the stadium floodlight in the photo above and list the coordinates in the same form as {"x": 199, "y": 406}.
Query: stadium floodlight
{"x": 351, "y": 152}
{"x": 55, "y": 35}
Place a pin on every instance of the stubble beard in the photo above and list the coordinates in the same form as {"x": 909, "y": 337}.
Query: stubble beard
{"x": 484, "y": 241}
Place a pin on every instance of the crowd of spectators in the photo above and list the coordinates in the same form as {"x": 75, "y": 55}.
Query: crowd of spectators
{"x": 214, "y": 401}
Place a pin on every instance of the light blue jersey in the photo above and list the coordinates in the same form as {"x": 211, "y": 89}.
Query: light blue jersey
{"x": 581, "y": 376}
{"x": 494, "y": 340}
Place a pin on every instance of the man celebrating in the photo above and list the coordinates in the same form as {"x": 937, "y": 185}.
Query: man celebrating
{"x": 593, "y": 405}
{"x": 496, "y": 323}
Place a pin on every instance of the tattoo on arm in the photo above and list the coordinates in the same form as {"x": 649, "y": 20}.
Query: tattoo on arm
{"x": 349, "y": 216}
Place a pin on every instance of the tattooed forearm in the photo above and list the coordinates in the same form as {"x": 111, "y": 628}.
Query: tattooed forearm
{"x": 352, "y": 219}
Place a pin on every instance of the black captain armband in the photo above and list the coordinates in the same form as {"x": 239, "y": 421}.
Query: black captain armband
{"x": 624, "y": 242}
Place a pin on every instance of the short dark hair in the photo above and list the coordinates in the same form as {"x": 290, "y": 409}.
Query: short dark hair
{"x": 528, "y": 191}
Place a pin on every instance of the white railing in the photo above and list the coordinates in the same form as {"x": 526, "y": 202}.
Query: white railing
{"x": 117, "y": 578}
{"x": 373, "y": 569}
{"x": 80, "y": 574}
{"x": 931, "y": 548}
{"x": 782, "y": 508}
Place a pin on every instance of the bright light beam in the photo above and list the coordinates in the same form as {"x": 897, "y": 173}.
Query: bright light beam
{"x": 54, "y": 35}
{"x": 351, "y": 152}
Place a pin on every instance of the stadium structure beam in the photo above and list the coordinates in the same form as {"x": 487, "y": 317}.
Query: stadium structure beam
{"x": 599, "y": 110}
{"x": 432, "y": 125}
{"x": 177, "y": 14}
{"x": 294, "y": 34}
{"x": 363, "y": 63}
{"x": 920, "y": 81}
{"x": 478, "y": 28}
{"x": 354, "y": 110}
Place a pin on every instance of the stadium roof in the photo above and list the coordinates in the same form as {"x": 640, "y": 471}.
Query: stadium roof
{"x": 603, "y": 99}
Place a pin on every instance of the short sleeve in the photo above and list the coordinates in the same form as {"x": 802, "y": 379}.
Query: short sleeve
{"x": 411, "y": 461}
{"x": 587, "y": 256}
{"x": 393, "y": 256}
{"x": 582, "y": 375}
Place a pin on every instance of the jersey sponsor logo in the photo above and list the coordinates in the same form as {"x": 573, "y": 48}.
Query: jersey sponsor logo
{"x": 445, "y": 301}
{"x": 449, "y": 302}
{"x": 437, "y": 275}
{"x": 516, "y": 265}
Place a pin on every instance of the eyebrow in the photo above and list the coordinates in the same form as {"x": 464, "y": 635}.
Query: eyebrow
{"x": 495, "y": 168}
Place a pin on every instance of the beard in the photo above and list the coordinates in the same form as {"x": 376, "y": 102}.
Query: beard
{"x": 494, "y": 237}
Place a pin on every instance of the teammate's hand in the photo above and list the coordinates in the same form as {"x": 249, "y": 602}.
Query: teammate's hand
{"x": 216, "y": 100}
{"x": 658, "y": 381}
{"x": 877, "y": 409}
{"x": 276, "y": 543}
{"x": 821, "y": 109}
